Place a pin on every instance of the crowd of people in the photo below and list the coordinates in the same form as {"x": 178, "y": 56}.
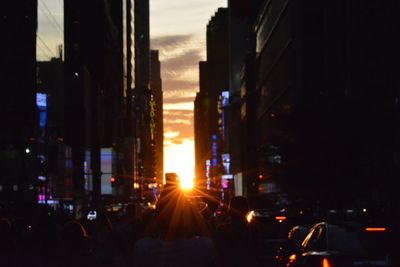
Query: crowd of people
{"x": 175, "y": 233}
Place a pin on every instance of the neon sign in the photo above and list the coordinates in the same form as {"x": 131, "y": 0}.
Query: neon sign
{"x": 208, "y": 166}
{"x": 152, "y": 105}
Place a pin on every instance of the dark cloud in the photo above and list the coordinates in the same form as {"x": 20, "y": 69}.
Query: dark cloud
{"x": 171, "y": 113}
{"x": 179, "y": 85}
{"x": 176, "y": 100}
{"x": 170, "y": 42}
{"x": 187, "y": 60}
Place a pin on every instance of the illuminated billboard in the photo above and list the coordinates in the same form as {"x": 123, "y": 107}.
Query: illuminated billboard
{"x": 225, "y": 98}
{"x": 41, "y": 101}
{"x": 106, "y": 171}
{"x": 226, "y": 162}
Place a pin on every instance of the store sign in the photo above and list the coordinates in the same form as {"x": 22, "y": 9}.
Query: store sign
{"x": 208, "y": 166}
{"x": 152, "y": 105}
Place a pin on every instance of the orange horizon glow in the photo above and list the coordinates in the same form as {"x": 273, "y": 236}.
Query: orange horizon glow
{"x": 179, "y": 158}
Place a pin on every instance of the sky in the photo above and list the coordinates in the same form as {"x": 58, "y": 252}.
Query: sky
{"x": 50, "y": 32}
{"x": 178, "y": 31}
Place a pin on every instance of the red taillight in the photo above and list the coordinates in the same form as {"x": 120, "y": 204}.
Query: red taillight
{"x": 292, "y": 259}
{"x": 280, "y": 218}
{"x": 375, "y": 229}
{"x": 325, "y": 263}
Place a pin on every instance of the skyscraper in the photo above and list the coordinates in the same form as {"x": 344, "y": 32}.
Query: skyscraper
{"x": 18, "y": 24}
{"x": 214, "y": 78}
{"x": 142, "y": 97}
{"x": 156, "y": 119}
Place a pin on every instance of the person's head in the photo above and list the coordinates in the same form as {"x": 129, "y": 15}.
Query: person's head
{"x": 175, "y": 217}
{"x": 238, "y": 208}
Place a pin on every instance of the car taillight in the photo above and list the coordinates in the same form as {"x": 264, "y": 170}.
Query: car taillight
{"x": 326, "y": 263}
{"x": 375, "y": 229}
{"x": 250, "y": 216}
{"x": 292, "y": 258}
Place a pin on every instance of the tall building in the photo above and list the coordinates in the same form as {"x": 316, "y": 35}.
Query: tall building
{"x": 324, "y": 100}
{"x": 240, "y": 21}
{"x": 53, "y": 178}
{"x": 156, "y": 119}
{"x": 124, "y": 160}
{"x": 18, "y": 25}
{"x": 202, "y": 130}
{"x": 93, "y": 94}
{"x": 143, "y": 96}
{"x": 216, "y": 74}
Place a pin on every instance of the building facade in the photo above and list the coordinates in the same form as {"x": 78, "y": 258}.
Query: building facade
{"x": 157, "y": 123}
{"x": 18, "y": 26}
{"x": 214, "y": 79}
{"x": 316, "y": 110}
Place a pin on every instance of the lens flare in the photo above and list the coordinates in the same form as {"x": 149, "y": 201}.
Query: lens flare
{"x": 186, "y": 184}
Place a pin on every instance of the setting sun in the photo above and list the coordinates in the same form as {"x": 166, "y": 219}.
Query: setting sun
{"x": 179, "y": 158}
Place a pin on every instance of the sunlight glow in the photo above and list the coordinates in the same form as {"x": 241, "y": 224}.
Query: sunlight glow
{"x": 179, "y": 158}
{"x": 187, "y": 184}
{"x": 179, "y": 106}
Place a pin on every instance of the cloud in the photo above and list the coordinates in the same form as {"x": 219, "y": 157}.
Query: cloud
{"x": 177, "y": 121}
{"x": 179, "y": 56}
{"x": 182, "y": 101}
{"x": 172, "y": 85}
{"x": 178, "y": 127}
{"x": 170, "y": 42}
{"x": 171, "y": 134}
{"x": 188, "y": 59}
{"x": 178, "y": 114}
{"x": 179, "y": 106}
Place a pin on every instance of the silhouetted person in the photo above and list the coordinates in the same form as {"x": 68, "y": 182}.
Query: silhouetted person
{"x": 172, "y": 239}
{"x": 107, "y": 247}
{"x": 73, "y": 247}
{"x": 129, "y": 229}
{"x": 235, "y": 239}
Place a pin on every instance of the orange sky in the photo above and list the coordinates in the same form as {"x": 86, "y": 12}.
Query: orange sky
{"x": 178, "y": 30}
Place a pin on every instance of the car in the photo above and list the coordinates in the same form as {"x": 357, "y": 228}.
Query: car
{"x": 347, "y": 244}
{"x": 292, "y": 245}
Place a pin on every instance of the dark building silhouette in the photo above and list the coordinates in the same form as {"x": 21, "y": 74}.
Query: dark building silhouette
{"x": 145, "y": 152}
{"x": 325, "y": 102}
{"x": 240, "y": 20}
{"x": 214, "y": 78}
{"x": 93, "y": 89}
{"x": 156, "y": 119}
{"x": 202, "y": 128}
{"x": 54, "y": 173}
{"x": 18, "y": 25}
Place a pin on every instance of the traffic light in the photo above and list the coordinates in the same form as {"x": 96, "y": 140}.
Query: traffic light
{"x": 113, "y": 181}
